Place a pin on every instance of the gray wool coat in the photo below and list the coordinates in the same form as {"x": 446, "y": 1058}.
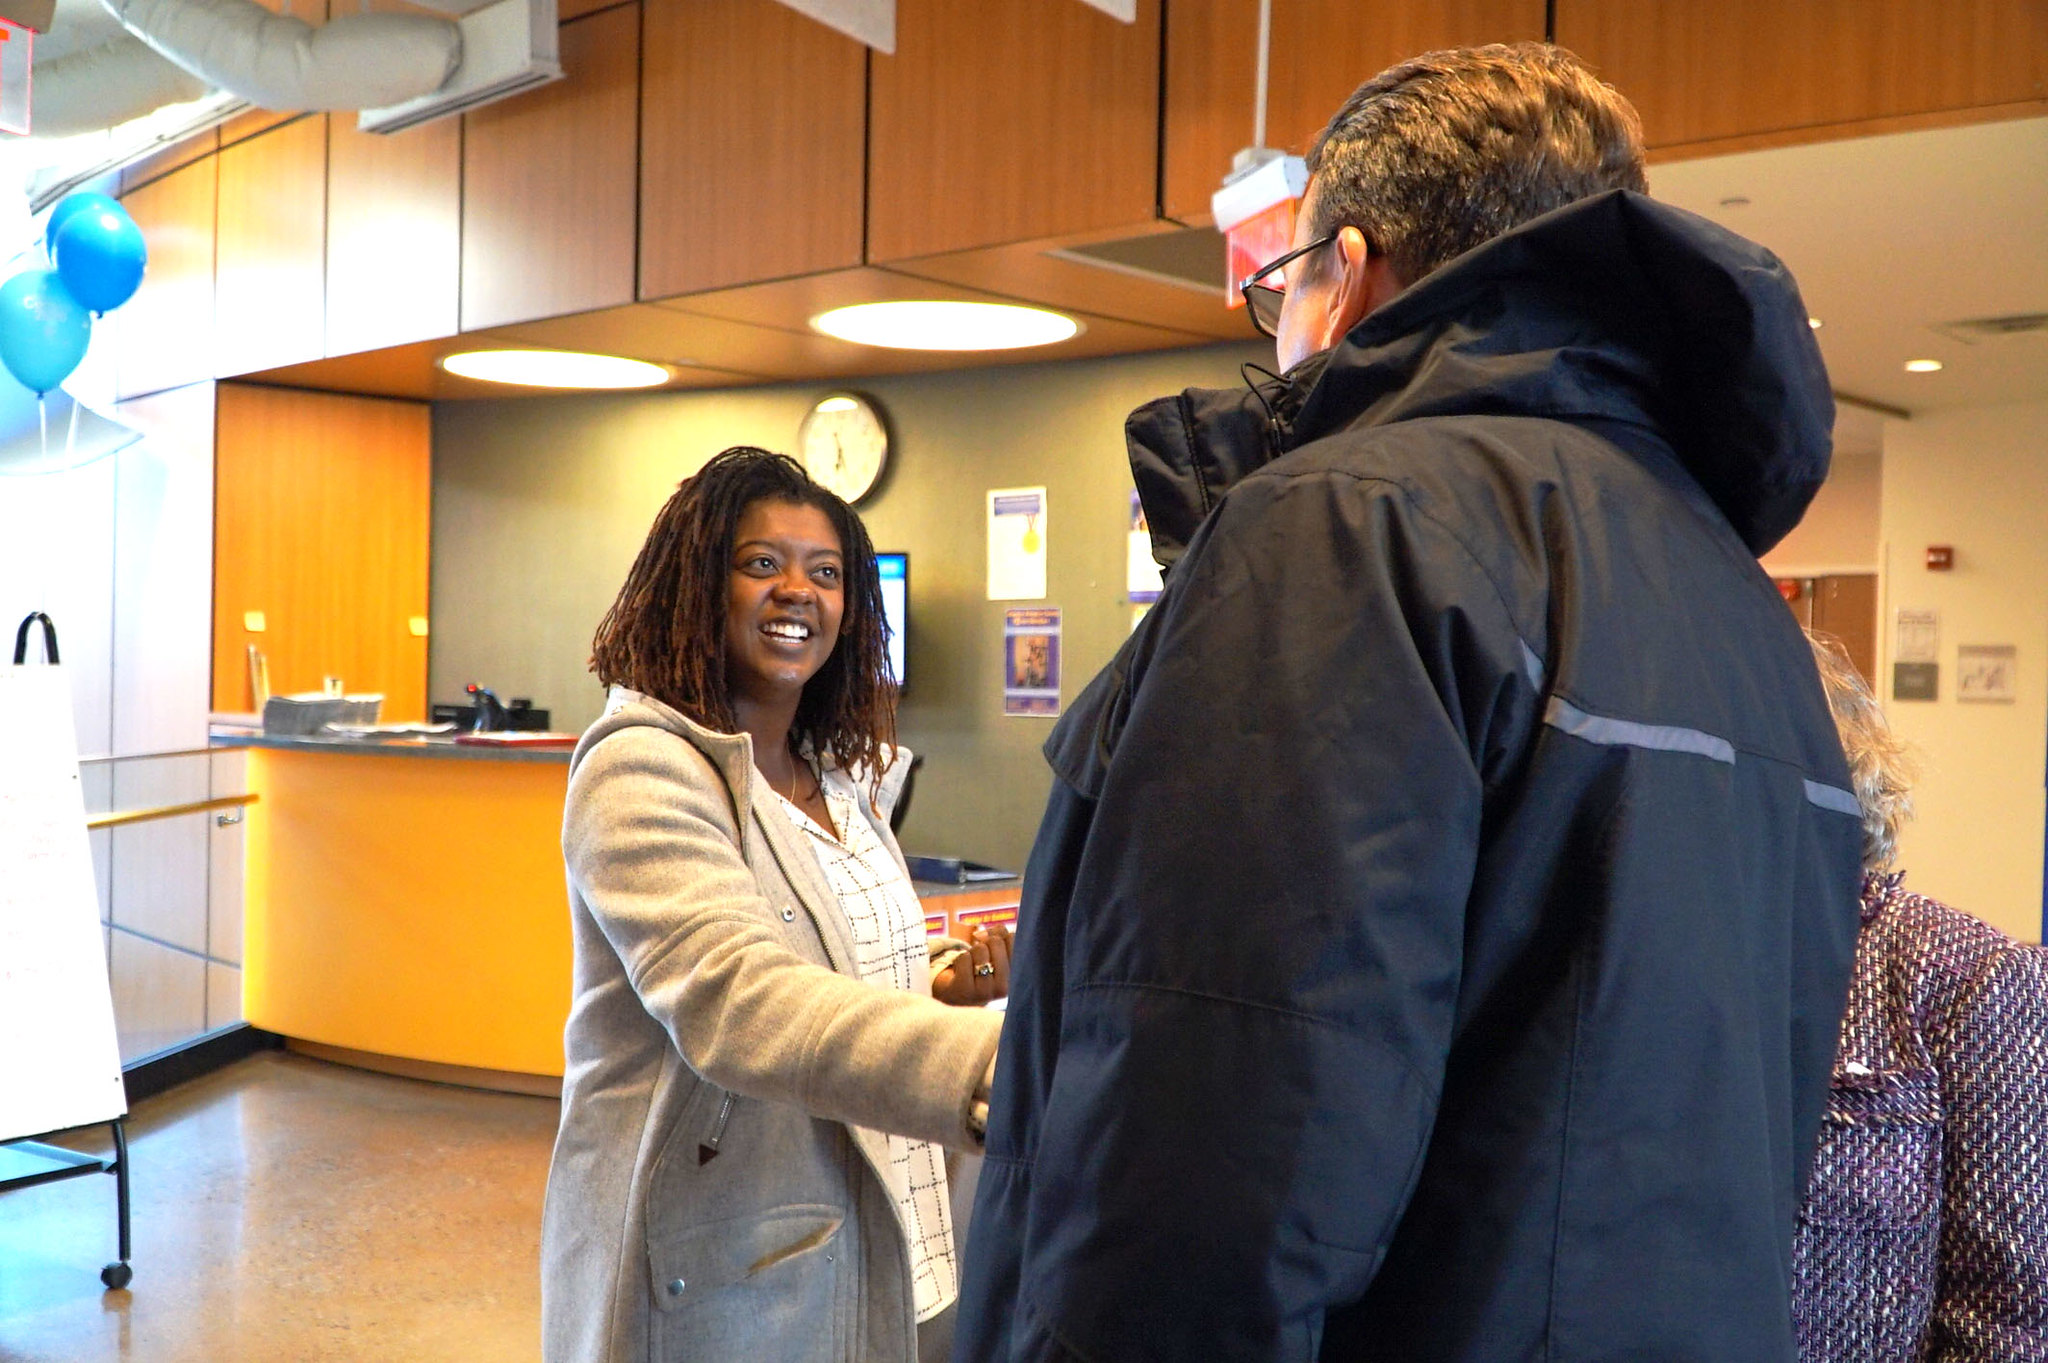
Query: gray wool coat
{"x": 715, "y": 1192}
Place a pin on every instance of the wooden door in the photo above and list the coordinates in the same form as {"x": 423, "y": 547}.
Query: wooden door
{"x": 1845, "y": 606}
{"x": 321, "y": 522}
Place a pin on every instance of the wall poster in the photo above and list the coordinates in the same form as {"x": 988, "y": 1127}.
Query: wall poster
{"x": 1031, "y": 661}
{"x": 1016, "y": 544}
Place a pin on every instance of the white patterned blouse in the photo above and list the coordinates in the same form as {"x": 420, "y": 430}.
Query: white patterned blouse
{"x": 889, "y": 949}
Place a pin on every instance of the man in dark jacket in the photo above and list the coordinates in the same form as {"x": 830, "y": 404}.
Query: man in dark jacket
{"x": 1434, "y": 946}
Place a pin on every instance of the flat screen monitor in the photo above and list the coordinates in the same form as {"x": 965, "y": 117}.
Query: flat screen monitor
{"x": 895, "y": 573}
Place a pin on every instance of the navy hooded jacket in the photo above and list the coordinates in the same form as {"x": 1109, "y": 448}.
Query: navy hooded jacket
{"x": 1436, "y": 940}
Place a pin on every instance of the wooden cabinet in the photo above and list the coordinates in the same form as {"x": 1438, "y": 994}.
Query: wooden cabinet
{"x": 321, "y": 521}
{"x": 548, "y": 185}
{"x": 1322, "y": 50}
{"x": 995, "y": 123}
{"x": 394, "y": 234}
{"x": 1706, "y": 70}
{"x": 753, "y": 146}
{"x": 166, "y": 330}
{"x": 269, "y": 283}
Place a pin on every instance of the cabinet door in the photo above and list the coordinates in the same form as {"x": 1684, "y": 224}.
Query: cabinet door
{"x": 1322, "y": 50}
{"x": 394, "y": 234}
{"x": 1703, "y": 70}
{"x": 548, "y": 184}
{"x": 270, "y": 277}
{"x": 995, "y": 123}
{"x": 166, "y": 330}
{"x": 320, "y": 528}
{"x": 753, "y": 135}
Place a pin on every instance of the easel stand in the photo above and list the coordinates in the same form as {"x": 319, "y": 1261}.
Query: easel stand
{"x": 23, "y": 1163}
{"x": 57, "y": 981}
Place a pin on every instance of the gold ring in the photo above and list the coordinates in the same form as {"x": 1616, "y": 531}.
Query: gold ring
{"x": 984, "y": 969}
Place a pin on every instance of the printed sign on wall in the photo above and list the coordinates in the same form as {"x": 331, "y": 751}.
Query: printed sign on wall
{"x": 1016, "y": 544}
{"x": 1031, "y": 661}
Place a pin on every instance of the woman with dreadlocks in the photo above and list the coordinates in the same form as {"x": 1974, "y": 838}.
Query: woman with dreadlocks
{"x": 759, "y": 1076}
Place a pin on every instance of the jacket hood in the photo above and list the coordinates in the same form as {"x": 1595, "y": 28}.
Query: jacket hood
{"x": 1614, "y": 309}
{"x": 732, "y": 754}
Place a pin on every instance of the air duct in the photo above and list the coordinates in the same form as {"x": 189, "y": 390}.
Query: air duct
{"x": 354, "y": 61}
{"x": 101, "y": 87}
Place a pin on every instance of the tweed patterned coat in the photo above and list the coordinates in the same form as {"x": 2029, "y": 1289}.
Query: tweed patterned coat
{"x": 1925, "y": 1230}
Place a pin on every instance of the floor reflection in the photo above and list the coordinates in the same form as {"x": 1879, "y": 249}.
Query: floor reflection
{"x": 290, "y": 1209}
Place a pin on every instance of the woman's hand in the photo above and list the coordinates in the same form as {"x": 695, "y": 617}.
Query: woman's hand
{"x": 980, "y": 974}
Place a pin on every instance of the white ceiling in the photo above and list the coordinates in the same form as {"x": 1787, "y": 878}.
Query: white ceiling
{"x": 1891, "y": 236}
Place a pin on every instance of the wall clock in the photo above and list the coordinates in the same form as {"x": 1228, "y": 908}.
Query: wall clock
{"x": 844, "y": 445}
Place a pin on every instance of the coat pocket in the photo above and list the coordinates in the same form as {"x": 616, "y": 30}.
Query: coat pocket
{"x": 749, "y": 1287}
{"x": 1879, "y": 1162}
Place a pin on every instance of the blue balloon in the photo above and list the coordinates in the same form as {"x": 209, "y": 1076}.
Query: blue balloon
{"x": 70, "y": 205}
{"x": 101, "y": 255}
{"x": 43, "y": 330}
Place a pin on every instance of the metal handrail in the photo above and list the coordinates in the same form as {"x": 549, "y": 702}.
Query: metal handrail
{"x": 128, "y": 816}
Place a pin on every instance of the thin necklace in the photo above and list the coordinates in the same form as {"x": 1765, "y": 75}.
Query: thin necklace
{"x": 794, "y": 765}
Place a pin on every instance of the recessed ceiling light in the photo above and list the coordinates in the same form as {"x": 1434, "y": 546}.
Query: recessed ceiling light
{"x": 934, "y": 325}
{"x": 1923, "y": 366}
{"x": 555, "y": 369}
{"x": 1814, "y": 322}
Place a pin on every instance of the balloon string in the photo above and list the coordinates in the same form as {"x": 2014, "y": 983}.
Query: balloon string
{"x": 43, "y": 577}
{"x": 71, "y": 433}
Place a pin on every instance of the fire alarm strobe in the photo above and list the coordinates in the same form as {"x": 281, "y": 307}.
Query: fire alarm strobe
{"x": 1940, "y": 558}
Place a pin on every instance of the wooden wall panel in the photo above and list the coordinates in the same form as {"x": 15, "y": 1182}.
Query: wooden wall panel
{"x": 394, "y": 234}
{"x": 1322, "y": 51}
{"x": 753, "y": 128}
{"x": 1210, "y": 92}
{"x": 158, "y": 164}
{"x": 549, "y": 184}
{"x": 1702, "y": 70}
{"x": 322, "y": 509}
{"x": 167, "y": 328}
{"x": 269, "y": 289}
{"x": 995, "y": 123}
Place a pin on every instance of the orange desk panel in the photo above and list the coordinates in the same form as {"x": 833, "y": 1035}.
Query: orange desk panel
{"x": 409, "y": 906}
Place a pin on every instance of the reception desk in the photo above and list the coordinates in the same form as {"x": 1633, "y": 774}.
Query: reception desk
{"x": 405, "y": 907}
{"x": 407, "y": 902}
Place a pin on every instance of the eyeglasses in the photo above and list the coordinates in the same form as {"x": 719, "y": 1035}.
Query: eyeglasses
{"x": 1262, "y": 301}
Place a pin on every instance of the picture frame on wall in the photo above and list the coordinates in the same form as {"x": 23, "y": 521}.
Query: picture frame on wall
{"x": 1987, "y": 672}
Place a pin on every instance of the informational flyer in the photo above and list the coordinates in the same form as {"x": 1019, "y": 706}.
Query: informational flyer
{"x": 1031, "y": 661}
{"x": 1016, "y": 544}
{"x": 1142, "y": 578}
{"x": 1919, "y": 637}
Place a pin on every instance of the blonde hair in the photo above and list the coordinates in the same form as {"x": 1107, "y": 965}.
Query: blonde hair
{"x": 1878, "y": 765}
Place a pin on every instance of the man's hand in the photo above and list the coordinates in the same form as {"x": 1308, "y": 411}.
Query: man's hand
{"x": 978, "y": 975}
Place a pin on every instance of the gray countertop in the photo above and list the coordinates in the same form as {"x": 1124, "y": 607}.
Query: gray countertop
{"x": 397, "y": 747}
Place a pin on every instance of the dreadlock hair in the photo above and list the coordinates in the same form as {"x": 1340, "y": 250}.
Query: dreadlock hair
{"x": 665, "y": 634}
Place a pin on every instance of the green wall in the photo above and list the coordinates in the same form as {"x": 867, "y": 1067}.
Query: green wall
{"x": 541, "y": 503}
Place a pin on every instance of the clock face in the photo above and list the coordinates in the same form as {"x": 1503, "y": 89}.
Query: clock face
{"x": 844, "y": 445}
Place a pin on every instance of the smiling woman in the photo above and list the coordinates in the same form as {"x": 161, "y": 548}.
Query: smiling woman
{"x": 754, "y": 986}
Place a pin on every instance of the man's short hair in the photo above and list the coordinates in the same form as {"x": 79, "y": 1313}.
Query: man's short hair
{"x": 1447, "y": 150}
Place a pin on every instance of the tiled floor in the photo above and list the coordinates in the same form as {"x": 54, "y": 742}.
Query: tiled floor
{"x": 291, "y": 1210}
